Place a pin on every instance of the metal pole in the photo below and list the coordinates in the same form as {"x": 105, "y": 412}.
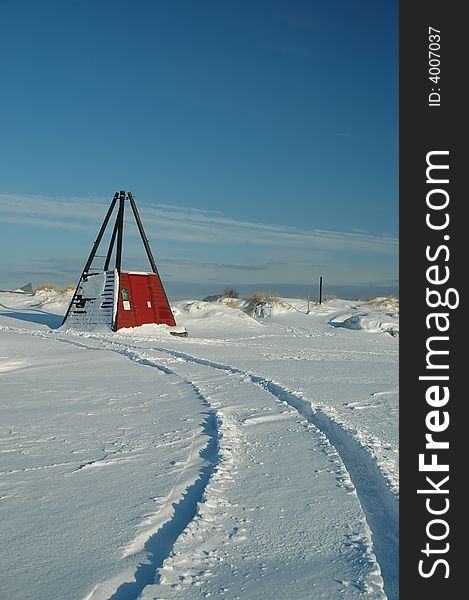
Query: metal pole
{"x": 111, "y": 245}
{"x": 307, "y": 311}
{"x": 320, "y": 290}
{"x": 145, "y": 241}
{"x": 120, "y": 231}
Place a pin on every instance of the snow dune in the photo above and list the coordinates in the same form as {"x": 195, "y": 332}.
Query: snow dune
{"x": 255, "y": 459}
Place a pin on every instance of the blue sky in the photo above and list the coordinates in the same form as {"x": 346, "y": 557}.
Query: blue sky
{"x": 258, "y": 137}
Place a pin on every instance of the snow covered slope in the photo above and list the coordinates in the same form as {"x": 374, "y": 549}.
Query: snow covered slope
{"x": 255, "y": 459}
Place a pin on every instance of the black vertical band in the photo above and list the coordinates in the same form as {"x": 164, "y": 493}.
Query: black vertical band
{"x": 433, "y": 128}
{"x": 120, "y": 231}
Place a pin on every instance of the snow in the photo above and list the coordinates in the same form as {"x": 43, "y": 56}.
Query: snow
{"x": 376, "y": 316}
{"x": 256, "y": 458}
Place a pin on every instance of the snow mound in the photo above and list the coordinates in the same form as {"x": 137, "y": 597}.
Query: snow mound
{"x": 372, "y": 322}
{"x": 217, "y": 318}
{"x": 386, "y": 304}
{"x": 199, "y": 309}
{"x": 376, "y": 315}
{"x": 268, "y": 307}
{"x": 52, "y": 300}
{"x": 258, "y": 306}
{"x": 148, "y": 331}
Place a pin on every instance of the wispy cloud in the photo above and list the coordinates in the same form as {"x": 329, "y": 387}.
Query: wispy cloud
{"x": 185, "y": 224}
{"x": 196, "y": 264}
{"x": 192, "y": 243}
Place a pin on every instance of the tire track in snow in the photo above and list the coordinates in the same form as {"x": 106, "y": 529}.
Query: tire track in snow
{"x": 159, "y": 545}
{"x": 379, "y": 504}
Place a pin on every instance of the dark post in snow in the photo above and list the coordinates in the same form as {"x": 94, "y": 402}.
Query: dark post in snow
{"x": 320, "y": 289}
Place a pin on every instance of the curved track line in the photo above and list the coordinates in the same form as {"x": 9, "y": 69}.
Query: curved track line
{"x": 159, "y": 545}
{"x": 379, "y": 504}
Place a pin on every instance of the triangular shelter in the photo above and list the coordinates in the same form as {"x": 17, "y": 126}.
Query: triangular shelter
{"x": 110, "y": 297}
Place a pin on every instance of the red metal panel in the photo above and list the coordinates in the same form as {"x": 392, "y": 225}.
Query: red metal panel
{"x": 163, "y": 313}
{"x": 142, "y": 303}
{"x": 125, "y": 318}
{"x": 142, "y": 300}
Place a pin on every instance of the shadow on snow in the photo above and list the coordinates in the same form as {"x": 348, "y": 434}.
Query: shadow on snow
{"x": 42, "y": 318}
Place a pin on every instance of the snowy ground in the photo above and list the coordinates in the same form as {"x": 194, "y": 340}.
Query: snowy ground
{"x": 256, "y": 459}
